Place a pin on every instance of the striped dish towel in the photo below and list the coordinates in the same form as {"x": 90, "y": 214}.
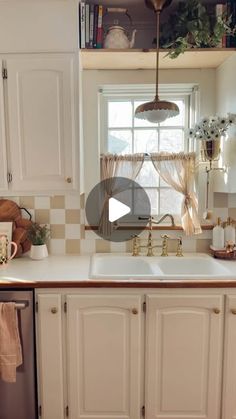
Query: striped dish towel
{"x": 10, "y": 346}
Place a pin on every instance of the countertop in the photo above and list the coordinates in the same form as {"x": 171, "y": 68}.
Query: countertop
{"x": 72, "y": 271}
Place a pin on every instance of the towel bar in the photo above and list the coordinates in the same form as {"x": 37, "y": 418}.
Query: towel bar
{"x": 18, "y": 306}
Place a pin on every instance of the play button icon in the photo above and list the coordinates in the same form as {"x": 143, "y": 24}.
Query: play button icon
{"x": 113, "y": 208}
{"x": 117, "y": 210}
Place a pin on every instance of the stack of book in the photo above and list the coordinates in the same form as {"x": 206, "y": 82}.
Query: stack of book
{"x": 91, "y": 30}
{"x": 225, "y": 11}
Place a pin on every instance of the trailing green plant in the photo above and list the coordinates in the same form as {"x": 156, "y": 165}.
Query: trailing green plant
{"x": 192, "y": 26}
{"x": 38, "y": 233}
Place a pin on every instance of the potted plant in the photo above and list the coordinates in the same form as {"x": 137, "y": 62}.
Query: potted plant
{"x": 192, "y": 26}
{"x": 38, "y": 235}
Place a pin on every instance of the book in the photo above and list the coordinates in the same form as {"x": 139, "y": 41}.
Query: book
{"x": 95, "y": 26}
{"x": 99, "y": 28}
{"x": 91, "y": 25}
{"x": 82, "y": 24}
{"x": 87, "y": 25}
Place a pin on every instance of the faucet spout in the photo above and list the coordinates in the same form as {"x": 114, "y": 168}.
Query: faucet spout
{"x": 163, "y": 218}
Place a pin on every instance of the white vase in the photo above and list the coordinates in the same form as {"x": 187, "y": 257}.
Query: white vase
{"x": 38, "y": 252}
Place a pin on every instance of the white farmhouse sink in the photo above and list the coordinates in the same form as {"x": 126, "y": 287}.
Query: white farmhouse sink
{"x": 125, "y": 266}
{"x": 194, "y": 266}
{"x": 121, "y": 267}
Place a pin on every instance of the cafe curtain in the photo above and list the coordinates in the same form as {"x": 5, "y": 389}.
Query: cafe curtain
{"x": 114, "y": 166}
{"x": 178, "y": 171}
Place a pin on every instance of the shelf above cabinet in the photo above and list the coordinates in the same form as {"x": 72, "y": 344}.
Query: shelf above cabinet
{"x": 138, "y": 59}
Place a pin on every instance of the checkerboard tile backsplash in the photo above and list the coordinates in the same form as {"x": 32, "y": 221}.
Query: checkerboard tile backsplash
{"x": 65, "y": 215}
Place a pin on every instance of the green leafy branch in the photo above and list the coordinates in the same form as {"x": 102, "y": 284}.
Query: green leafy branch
{"x": 192, "y": 27}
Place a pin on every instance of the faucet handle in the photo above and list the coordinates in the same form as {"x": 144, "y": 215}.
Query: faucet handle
{"x": 135, "y": 244}
{"x": 179, "y": 251}
{"x": 165, "y": 238}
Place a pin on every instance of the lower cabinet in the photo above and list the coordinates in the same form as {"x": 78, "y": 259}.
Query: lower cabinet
{"x": 183, "y": 356}
{"x": 229, "y": 379}
{"x": 104, "y": 354}
{"x": 103, "y": 342}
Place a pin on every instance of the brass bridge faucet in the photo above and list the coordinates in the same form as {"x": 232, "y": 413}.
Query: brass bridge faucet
{"x": 136, "y": 244}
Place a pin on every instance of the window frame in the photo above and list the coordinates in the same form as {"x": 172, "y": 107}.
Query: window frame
{"x": 186, "y": 92}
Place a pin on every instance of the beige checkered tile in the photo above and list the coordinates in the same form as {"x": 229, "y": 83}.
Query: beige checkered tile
{"x": 27, "y": 202}
{"x": 57, "y": 231}
{"x": 232, "y": 213}
{"x": 42, "y": 216}
{"x": 102, "y": 246}
{"x": 220, "y": 200}
{"x": 72, "y": 246}
{"x": 72, "y": 216}
{"x": 203, "y": 245}
{"x": 68, "y": 235}
{"x": 57, "y": 202}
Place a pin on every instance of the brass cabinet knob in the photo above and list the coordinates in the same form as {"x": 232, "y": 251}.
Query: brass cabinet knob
{"x": 216, "y": 310}
{"x": 233, "y": 310}
{"x": 134, "y": 310}
{"x": 69, "y": 179}
{"x": 54, "y": 310}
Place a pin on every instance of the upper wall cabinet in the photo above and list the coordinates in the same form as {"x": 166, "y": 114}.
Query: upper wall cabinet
{"x": 38, "y": 26}
{"x": 3, "y": 159}
{"x": 41, "y": 119}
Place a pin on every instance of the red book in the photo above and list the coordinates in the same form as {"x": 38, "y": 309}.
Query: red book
{"x": 99, "y": 27}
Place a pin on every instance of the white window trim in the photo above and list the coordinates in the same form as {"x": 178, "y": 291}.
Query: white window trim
{"x": 188, "y": 92}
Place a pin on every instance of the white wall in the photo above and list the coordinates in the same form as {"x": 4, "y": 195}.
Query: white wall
{"x": 226, "y": 102}
{"x": 93, "y": 79}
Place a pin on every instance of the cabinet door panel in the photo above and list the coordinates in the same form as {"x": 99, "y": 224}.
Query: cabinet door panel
{"x": 3, "y": 156}
{"x": 50, "y": 359}
{"x": 183, "y": 362}
{"x": 41, "y": 122}
{"x": 104, "y": 357}
{"x": 229, "y": 386}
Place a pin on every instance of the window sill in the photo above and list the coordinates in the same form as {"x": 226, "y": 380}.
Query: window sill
{"x": 159, "y": 227}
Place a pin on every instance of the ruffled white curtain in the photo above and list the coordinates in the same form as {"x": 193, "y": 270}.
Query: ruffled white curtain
{"x": 114, "y": 166}
{"x": 178, "y": 171}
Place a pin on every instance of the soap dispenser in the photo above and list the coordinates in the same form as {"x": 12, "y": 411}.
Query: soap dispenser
{"x": 218, "y": 236}
{"x": 229, "y": 232}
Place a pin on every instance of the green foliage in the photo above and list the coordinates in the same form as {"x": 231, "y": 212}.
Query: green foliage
{"x": 193, "y": 27}
{"x": 38, "y": 234}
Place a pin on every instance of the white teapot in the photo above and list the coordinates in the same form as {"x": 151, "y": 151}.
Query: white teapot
{"x": 117, "y": 38}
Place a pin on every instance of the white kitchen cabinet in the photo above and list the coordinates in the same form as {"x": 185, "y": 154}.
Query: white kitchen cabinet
{"x": 184, "y": 356}
{"x": 104, "y": 356}
{"x": 50, "y": 357}
{"x": 28, "y": 26}
{"x": 40, "y": 106}
{"x": 229, "y": 378}
{"x": 3, "y": 155}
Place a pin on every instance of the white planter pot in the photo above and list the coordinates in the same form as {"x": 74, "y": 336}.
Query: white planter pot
{"x": 38, "y": 252}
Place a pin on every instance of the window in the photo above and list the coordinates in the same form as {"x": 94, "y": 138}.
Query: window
{"x": 124, "y": 134}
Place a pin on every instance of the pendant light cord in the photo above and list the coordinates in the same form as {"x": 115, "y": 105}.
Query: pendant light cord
{"x": 158, "y": 11}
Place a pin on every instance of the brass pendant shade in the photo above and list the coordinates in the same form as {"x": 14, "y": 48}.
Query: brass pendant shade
{"x": 157, "y": 110}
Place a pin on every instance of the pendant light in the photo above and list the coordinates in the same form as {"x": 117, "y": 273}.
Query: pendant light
{"x": 158, "y": 110}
